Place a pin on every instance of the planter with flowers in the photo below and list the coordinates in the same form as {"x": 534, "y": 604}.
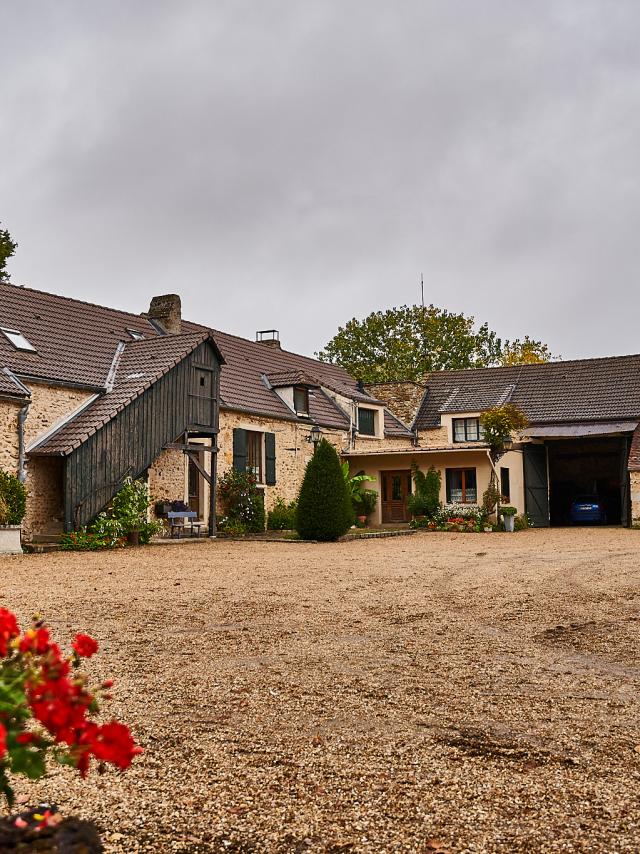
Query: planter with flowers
{"x": 508, "y": 517}
{"x": 13, "y": 505}
{"x": 47, "y": 710}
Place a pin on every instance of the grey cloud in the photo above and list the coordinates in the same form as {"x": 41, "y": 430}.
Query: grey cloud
{"x": 293, "y": 164}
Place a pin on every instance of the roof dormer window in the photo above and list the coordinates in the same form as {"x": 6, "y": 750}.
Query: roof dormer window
{"x": 17, "y": 339}
{"x": 136, "y": 334}
{"x": 301, "y": 400}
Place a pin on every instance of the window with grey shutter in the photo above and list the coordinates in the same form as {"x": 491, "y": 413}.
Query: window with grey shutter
{"x": 270, "y": 457}
{"x": 239, "y": 449}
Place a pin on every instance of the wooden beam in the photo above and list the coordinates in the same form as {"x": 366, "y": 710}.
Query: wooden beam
{"x": 194, "y": 459}
{"x": 188, "y": 448}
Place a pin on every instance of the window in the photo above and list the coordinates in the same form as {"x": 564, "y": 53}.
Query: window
{"x": 254, "y": 454}
{"x": 17, "y": 339}
{"x": 467, "y": 430}
{"x": 367, "y": 421}
{"x": 505, "y": 483}
{"x": 301, "y": 400}
{"x": 462, "y": 486}
{"x": 137, "y": 336}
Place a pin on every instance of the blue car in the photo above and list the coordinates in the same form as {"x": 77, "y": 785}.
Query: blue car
{"x": 587, "y": 509}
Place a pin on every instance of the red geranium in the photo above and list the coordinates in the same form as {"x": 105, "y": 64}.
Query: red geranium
{"x": 85, "y": 645}
{"x": 3, "y": 741}
{"x": 8, "y": 630}
{"x": 114, "y": 744}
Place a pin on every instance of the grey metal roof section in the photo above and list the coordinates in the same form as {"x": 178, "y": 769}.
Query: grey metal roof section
{"x": 578, "y": 431}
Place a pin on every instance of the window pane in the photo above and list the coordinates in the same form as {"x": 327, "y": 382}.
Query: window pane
{"x": 471, "y": 490}
{"x": 472, "y": 429}
{"x": 301, "y": 400}
{"x": 505, "y": 483}
{"x": 254, "y": 454}
{"x": 366, "y": 422}
{"x": 454, "y": 486}
{"x": 396, "y": 488}
{"x": 458, "y": 430}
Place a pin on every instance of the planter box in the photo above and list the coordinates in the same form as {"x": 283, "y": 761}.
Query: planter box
{"x": 10, "y": 540}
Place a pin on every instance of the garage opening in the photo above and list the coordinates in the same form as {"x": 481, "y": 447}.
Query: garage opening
{"x": 579, "y": 468}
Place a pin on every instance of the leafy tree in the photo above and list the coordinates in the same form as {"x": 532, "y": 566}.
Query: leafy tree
{"x": 498, "y": 423}
{"x": 408, "y": 342}
{"x": 525, "y": 352}
{"x": 7, "y": 248}
{"x": 324, "y": 509}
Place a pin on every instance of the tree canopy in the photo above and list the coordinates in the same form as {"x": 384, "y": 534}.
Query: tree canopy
{"x": 409, "y": 342}
{"x": 7, "y": 248}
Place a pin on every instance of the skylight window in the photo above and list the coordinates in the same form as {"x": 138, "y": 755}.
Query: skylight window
{"x": 17, "y": 339}
{"x": 137, "y": 336}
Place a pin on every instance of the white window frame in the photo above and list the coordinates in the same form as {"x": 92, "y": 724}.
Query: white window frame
{"x": 22, "y": 342}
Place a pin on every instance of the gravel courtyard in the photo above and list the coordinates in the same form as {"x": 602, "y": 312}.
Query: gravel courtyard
{"x": 441, "y": 692}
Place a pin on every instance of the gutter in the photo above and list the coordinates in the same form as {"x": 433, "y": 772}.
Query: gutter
{"x": 22, "y": 455}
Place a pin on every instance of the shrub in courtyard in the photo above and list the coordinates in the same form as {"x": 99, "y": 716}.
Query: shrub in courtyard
{"x": 324, "y": 510}
{"x": 283, "y": 516}
{"x": 521, "y": 522}
{"x": 242, "y": 500}
{"x": 131, "y": 504}
{"x": 47, "y": 707}
{"x": 13, "y": 499}
{"x": 365, "y": 503}
{"x": 425, "y": 500}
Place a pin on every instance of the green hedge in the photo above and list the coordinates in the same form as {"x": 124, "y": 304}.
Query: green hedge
{"x": 324, "y": 505}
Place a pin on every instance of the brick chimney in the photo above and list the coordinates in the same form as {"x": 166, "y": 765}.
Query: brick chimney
{"x": 269, "y": 337}
{"x": 167, "y": 309}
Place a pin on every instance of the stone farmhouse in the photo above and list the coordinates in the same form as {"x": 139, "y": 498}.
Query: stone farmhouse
{"x": 583, "y": 438}
{"x": 89, "y": 395}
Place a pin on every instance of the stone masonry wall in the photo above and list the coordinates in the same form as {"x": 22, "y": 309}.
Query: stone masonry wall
{"x": 49, "y": 405}
{"x": 167, "y": 476}
{"x": 402, "y": 398}
{"x": 45, "y": 509}
{"x": 635, "y": 498}
{"x": 9, "y": 435}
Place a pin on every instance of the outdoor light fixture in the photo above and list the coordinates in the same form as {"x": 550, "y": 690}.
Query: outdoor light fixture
{"x": 508, "y": 444}
{"x": 314, "y": 436}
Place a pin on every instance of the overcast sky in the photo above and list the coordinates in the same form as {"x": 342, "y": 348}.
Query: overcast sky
{"x": 294, "y": 164}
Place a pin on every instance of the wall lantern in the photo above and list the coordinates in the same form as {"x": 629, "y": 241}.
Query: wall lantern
{"x": 507, "y": 445}
{"x": 314, "y": 436}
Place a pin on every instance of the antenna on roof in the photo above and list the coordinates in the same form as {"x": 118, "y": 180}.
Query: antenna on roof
{"x": 422, "y": 288}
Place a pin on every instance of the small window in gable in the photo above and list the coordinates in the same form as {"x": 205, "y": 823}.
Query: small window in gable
{"x": 301, "y": 400}
{"x": 17, "y": 339}
{"x": 367, "y": 421}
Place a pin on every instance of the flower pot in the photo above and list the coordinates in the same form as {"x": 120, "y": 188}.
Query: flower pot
{"x": 133, "y": 538}
{"x": 10, "y": 543}
{"x": 509, "y": 524}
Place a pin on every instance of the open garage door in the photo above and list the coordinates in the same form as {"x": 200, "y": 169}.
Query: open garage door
{"x": 589, "y": 466}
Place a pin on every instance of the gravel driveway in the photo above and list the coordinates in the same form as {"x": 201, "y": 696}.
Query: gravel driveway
{"x": 462, "y": 693}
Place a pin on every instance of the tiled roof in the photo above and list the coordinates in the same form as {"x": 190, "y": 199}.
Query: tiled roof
{"x": 282, "y": 379}
{"x": 394, "y": 427}
{"x": 76, "y": 341}
{"x": 9, "y": 387}
{"x": 581, "y": 390}
{"x": 138, "y": 366}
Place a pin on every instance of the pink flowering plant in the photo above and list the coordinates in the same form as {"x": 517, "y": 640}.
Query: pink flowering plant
{"x": 47, "y": 707}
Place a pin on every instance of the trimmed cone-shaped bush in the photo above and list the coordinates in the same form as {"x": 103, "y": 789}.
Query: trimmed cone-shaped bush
{"x": 324, "y": 506}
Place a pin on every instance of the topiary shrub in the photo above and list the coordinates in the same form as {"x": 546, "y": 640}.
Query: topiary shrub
{"x": 324, "y": 504}
{"x": 13, "y": 499}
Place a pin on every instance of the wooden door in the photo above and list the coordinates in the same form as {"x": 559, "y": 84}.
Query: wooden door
{"x": 195, "y": 488}
{"x": 396, "y": 488}
{"x": 536, "y": 485}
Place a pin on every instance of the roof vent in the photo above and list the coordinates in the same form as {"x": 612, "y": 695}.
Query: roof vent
{"x": 270, "y": 337}
{"x": 167, "y": 310}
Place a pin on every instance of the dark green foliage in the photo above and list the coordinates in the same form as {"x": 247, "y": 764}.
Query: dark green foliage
{"x": 7, "y": 248}
{"x": 425, "y": 501}
{"x": 13, "y": 499}
{"x": 283, "y": 516}
{"x": 324, "y": 510}
{"x": 365, "y": 502}
{"x": 242, "y": 500}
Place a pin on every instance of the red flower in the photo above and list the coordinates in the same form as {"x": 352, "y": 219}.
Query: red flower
{"x": 3, "y": 741}
{"x": 85, "y": 645}
{"x": 115, "y": 744}
{"x": 35, "y": 640}
{"x": 27, "y": 737}
{"x": 8, "y": 630}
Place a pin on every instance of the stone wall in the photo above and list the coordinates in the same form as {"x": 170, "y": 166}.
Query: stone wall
{"x": 167, "y": 476}
{"x": 635, "y": 498}
{"x": 436, "y": 437}
{"x": 402, "y": 398}
{"x": 49, "y": 406}
{"x": 9, "y": 435}
{"x": 45, "y": 508}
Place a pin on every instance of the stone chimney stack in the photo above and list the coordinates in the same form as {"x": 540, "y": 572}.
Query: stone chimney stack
{"x": 167, "y": 310}
{"x": 269, "y": 337}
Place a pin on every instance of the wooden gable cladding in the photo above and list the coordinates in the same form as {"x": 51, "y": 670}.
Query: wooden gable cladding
{"x": 128, "y": 443}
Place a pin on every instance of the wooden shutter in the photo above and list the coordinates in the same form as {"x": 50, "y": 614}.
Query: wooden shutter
{"x": 239, "y": 449}
{"x": 270, "y": 458}
{"x": 536, "y": 485}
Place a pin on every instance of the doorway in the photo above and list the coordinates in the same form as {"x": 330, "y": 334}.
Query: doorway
{"x": 196, "y": 487}
{"x": 396, "y": 488}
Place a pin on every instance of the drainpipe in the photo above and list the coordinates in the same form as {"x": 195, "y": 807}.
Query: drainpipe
{"x": 22, "y": 457}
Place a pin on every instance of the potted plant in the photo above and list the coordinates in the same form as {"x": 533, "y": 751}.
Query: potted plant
{"x": 13, "y": 506}
{"x": 365, "y": 504}
{"x": 508, "y": 517}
